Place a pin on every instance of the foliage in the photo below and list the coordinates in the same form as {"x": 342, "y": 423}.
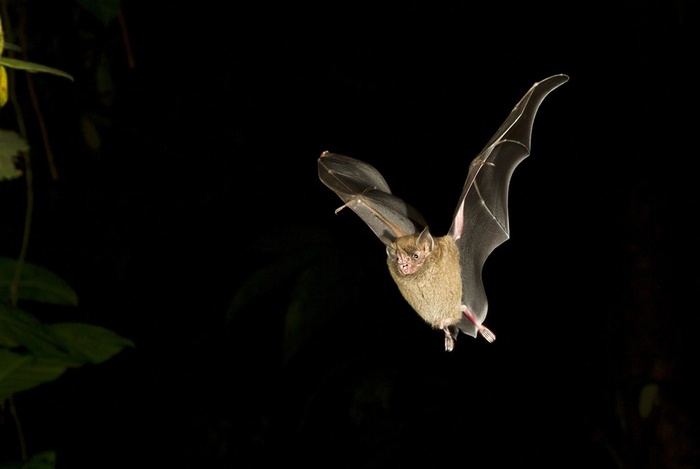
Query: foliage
{"x": 43, "y": 460}
{"x": 32, "y": 67}
{"x": 11, "y": 146}
{"x": 21, "y": 65}
{"x": 33, "y": 352}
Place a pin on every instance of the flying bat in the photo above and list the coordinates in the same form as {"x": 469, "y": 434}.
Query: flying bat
{"x": 440, "y": 276}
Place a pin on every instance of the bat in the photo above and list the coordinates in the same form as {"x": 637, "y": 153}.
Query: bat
{"x": 440, "y": 276}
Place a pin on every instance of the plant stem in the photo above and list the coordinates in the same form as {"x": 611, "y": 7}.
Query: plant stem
{"x": 20, "y": 433}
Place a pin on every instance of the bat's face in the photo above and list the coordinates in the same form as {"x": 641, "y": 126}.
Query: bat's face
{"x": 408, "y": 263}
{"x": 409, "y": 253}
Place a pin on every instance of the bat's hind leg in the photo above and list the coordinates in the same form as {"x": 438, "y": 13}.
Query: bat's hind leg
{"x": 483, "y": 330}
{"x": 450, "y": 337}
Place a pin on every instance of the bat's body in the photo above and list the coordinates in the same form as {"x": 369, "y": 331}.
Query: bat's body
{"x": 440, "y": 277}
{"x": 433, "y": 288}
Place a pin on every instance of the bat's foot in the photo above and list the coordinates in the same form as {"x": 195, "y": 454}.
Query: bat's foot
{"x": 486, "y": 333}
{"x": 483, "y": 330}
{"x": 449, "y": 339}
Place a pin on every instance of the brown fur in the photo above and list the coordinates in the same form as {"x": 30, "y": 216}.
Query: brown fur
{"x": 434, "y": 290}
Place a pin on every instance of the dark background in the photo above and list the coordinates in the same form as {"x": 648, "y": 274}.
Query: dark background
{"x": 267, "y": 329}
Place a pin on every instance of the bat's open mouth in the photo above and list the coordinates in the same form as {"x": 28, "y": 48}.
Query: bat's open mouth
{"x": 405, "y": 269}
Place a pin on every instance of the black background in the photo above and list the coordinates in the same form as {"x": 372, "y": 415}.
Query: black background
{"x": 267, "y": 329}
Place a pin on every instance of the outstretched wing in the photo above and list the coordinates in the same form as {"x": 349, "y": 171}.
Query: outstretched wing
{"x": 364, "y": 190}
{"x": 480, "y": 223}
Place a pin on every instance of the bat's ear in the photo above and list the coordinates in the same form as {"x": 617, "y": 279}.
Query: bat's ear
{"x": 425, "y": 240}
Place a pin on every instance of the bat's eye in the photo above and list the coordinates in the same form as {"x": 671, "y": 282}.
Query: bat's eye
{"x": 415, "y": 255}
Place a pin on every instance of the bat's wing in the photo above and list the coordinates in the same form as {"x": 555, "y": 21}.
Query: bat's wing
{"x": 480, "y": 222}
{"x": 365, "y": 191}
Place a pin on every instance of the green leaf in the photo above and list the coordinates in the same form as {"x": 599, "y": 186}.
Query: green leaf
{"x": 21, "y": 329}
{"x": 20, "y": 372}
{"x": 307, "y": 310}
{"x": 32, "y": 353}
{"x": 648, "y": 399}
{"x": 104, "y": 10}
{"x": 11, "y": 144}
{"x": 36, "y": 283}
{"x": 33, "y": 67}
{"x": 89, "y": 343}
{"x": 43, "y": 460}
{"x": 9, "y": 362}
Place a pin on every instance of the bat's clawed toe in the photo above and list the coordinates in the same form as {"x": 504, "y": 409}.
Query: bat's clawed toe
{"x": 449, "y": 343}
{"x": 449, "y": 339}
{"x": 487, "y": 334}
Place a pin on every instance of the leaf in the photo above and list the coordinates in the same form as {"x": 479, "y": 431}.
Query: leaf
{"x": 89, "y": 343}
{"x": 104, "y": 10}
{"x": 43, "y": 460}
{"x": 20, "y": 372}
{"x": 21, "y": 329}
{"x": 303, "y": 280}
{"x": 33, "y": 353}
{"x": 648, "y": 399}
{"x": 306, "y": 312}
{"x": 36, "y": 283}
{"x": 11, "y": 144}
{"x": 9, "y": 362}
{"x": 33, "y": 67}
{"x": 3, "y": 86}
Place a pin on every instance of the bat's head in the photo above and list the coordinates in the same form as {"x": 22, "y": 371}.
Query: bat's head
{"x": 409, "y": 253}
